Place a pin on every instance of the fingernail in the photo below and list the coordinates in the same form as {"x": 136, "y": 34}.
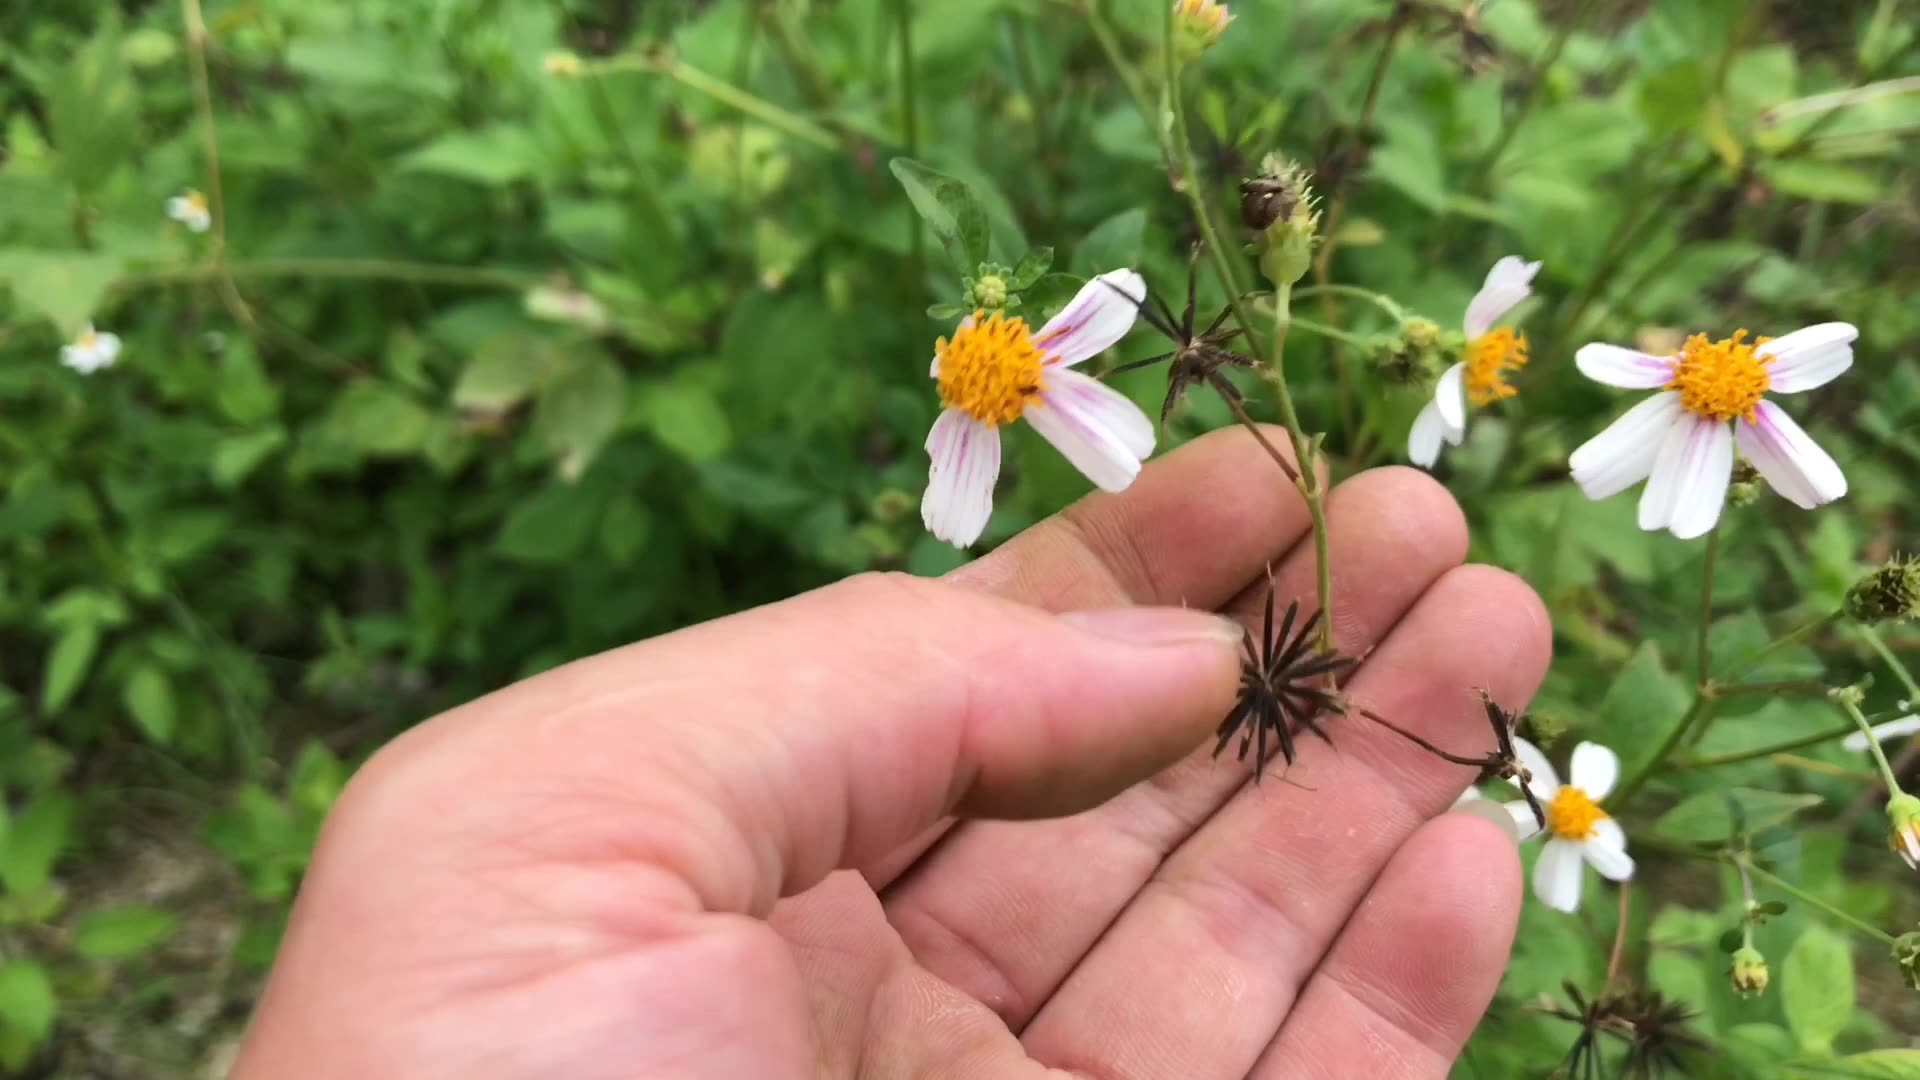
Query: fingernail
{"x": 1488, "y": 810}
{"x": 1157, "y": 625}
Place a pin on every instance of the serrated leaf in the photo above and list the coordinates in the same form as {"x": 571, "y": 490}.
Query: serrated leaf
{"x": 64, "y": 286}
{"x": 109, "y": 933}
{"x": 502, "y": 374}
{"x": 1642, "y": 707}
{"x": 380, "y": 420}
{"x": 1816, "y": 987}
{"x": 550, "y": 526}
{"x": 688, "y": 420}
{"x": 1037, "y": 262}
{"x": 491, "y": 157}
{"x": 579, "y": 409}
{"x": 148, "y": 697}
{"x": 67, "y": 664}
{"x": 1114, "y": 243}
{"x": 1706, "y": 818}
{"x": 950, "y": 209}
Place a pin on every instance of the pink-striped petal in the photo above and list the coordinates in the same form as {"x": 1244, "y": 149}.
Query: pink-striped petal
{"x": 1622, "y": 454}
{"x": 1099, "y": 315}
{"x": 1627, "y": 369}
{"x": 1792, "y": 462}
{"x": 1689, "y": 481}
{"x": 1104, "y": 435}
{"x": 1509, "y": 282}
{"x": 1808, "y": 358}
{"x": 966, "y": 463}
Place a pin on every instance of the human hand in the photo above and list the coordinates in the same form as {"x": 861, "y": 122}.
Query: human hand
{"x": 766, "y": 846}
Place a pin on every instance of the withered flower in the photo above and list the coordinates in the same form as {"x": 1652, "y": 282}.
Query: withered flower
{"x": 1197, "y": 356}
{"x": 1502, "y": 763}
{"x": 1657, "y": 1035}
{"x": 1277, "y": 687}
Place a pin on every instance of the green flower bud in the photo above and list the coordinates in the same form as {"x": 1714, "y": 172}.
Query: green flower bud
{"x": 1744, "y": 488}
{"x": 1749, "y": 971}
{"x": 1279, "y": 205}
{"x": 989, "y": 292}
{"x": 1417, "y": 356}
{"x": 1906, "y": 953}
{"x": 1891, "y": 591}
{"x": 891, "y": 505}
{"x": 1903, "y": 812}
{"x": 1197, "y": 24}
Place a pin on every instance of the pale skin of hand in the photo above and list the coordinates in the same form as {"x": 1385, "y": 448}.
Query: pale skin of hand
{"x": 905, "y": 828}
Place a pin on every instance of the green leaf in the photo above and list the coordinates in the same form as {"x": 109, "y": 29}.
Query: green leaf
{"x": 1036, "y": 262}
{"x": 550, "y": 526}
{"x": 1872, "y": 1065}
{"x": 1707, "y": 816}
{"x": 109, "y": 933}
{"x": 91, "y": 111}
{"x": 950, "y": 209}
{"x": 493, "y": 156}
{"x": 149, "y": 699}
{"x": 66, "y": 287}
{"x": 1816, "y": 987}
{"x": 234, "y": 458}
{"x": 380, "y": 420}
{"x": 625, "y": 529}
{"x": 688, "y": 420}
{"x": 1112, "y": 244}
{"x": 27, "y": 1003}
{"x": 503, "y": 373}
{"x": 1409, "y": 161}
{"x": 1642, "y": 707}
{"x": 67, "y": 664}
{"x": 579, "y": 410}
{"x": 34, "y": 842}
{"x": 1825, "y": 181}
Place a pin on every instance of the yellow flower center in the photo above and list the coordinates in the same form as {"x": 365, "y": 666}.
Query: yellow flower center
{"x": 196, "y": 202}
{"x": 1721, "y": 379}
{"x": 991, "y": 370}
{"x": 1489, "y": 357}
{"x": 1572, "y": 814}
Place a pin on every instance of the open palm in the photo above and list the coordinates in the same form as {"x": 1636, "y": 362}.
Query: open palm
{"x": 823, "y": 838}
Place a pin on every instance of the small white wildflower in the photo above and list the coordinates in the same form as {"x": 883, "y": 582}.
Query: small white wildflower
{"x": 91, "y": 351}
{"x": 190, "y": 208}
{"x": 1480, "y": 378}
{"x": 1578, "y": 831}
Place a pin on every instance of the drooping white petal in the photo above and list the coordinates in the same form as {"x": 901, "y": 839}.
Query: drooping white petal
{"x": 966, "y": 462}
{"x": 1525, "y": 825}
{"x": 1892, "y": 729}
{"x": 1622, "y": 454}
{"x": 1808, "y": 358}
{"x": 107, "y": 346}
{"x": 1103, "y": 405}
{"x": 1100, "y": 314}
{"x": 178, "y": 208}
{"x": 1450, "y": 398}
{"x": 1594, "y": 770}
{"x": 1546, "y": 782}
{"x": 1606, "y": 849}
{"x": 1556, "y": 877}
{"x": 1098, "y": 435}
{"x": 80, "y": 360}
{"x": 1689, "y": 481}
{"x": 1509, "y": 282}
{"x": 1627, "y": 369}
{"x": 1423, "y": 440}
{"x": 1791, "y": 461}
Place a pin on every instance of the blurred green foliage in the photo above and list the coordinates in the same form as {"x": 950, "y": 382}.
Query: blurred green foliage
{"x": 485, "y": 367}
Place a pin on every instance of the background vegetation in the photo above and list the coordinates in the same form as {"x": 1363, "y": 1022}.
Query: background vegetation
{"x": 481, "y": 369}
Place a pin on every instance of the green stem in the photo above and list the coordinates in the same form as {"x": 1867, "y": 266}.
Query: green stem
{"x": 1808, "y": 898}
{"x": 909, "y": 118}
{"x": 1735, "y": 758}
{"x": 1383, "y": 302}
{"x": 1865, "y": 729}
{"x": 1325, "y": 331}
{"x": 1790, "y": 686}
{"x": 719, "y": 90}
{"x": 1791, "y": 637}
{"x": 373, "y": 269}
{"x": 1309, "y": 479}
{"x": 1528, "y": 96}
{"x": 1703, "y": 646}
{"x": 1899, "y": 669}
{"x": 1130, "y": 76}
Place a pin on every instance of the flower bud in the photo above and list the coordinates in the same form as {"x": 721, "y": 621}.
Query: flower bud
{"x": 1279, "y": 205}
{"x": 1749, "y": 971}
{"x": 1744, "y": 487}
{"x": 1906, "y": 953}
{"x": 1903, "y": 812}
{"x": 989, "y": 291}
{"x": 1417, "y": 356}
{"x": 1892, "y": 591}
{"x": 1197, "y": 24}
{"x": 561, "y": 65}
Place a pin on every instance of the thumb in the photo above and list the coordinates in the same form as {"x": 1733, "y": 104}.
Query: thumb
{"x": 751, "y": 756}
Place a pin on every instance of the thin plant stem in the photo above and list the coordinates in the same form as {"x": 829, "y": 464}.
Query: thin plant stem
{"x": 1887, "y": 775}
{"x": 1632, "y": 784}
{"x": 1330, "y": 332}
{"x": 1900, "y": 671}
{"x": 210, "y": 150}
{"x": 1698, "y": 712}
{"x": 330, "y": 268}
{"x": 794, "y": 51}
{"x": 909, "y": 116}
{"x": 1529, "y": 95}
{"x": 1811, "y": 900}
{"x": 1620, "y": 933}
{"x": 1240, "y": 413}
{"x": 1790, "y": 686}
{"x": 1457, "y": 759}
{"x": 1791, "y": 637}
{"x": 1381, "y": 301}
{"x": 719, "y": 90}
{"x": 1129, "y": 74}
{"x": 1703, "y": 643}
{"x": 1713, "y": 761}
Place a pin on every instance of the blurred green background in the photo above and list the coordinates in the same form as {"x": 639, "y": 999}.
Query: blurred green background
{"x": 486, "y": 368}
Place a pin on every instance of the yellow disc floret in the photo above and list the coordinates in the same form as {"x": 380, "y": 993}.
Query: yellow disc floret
{"x": 1489, "y": 357}
{"x": 1721, "y": 379}
{"x": 990, "y": 369}
{"x": 1572, "y": 814}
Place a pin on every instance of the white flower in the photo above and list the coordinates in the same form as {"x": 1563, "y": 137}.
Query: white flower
{"x": 1480, "y": 378}
{"x": 91, "y": 351}
{"x": 1578, "y": 830}
{"x": 1680, "y": 442}
{"x": 189, "y": 208}
{"x": 994, "y": 370}
{"x": 1892, "y": 729}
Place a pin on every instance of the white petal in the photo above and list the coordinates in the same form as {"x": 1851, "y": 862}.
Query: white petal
{"x": 1689, "y": 481}
{"x": 1423, "y": 441}
{"x": 1098, "y": 316}
{"x": 1509, "y": 282}
{"x": 1556, "y": 877}
{"x": 1546, "y": 782}
{"x": 1099, "y": 436}
{"x": 1103, "y": 405}
{"x": 1622, "y": 454}
{"x": 1791, "y": 461}
{"x": 107, "y": 346}
{"x": 1627, "y": 369}
{"x": 201, "y": 221}
{"x": 1594, "y": 770}
{"x": 1892, "y": 729}
{"x": 78, "y": 359}
{"x": 178, "y": 209}
{"x": 1450, "y": 397}
{"x": 966, "y": 462}
{"x": 1607, "y": 850}
{"x": 1808, "y": 358}
{"x": 1525, "y": 825}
